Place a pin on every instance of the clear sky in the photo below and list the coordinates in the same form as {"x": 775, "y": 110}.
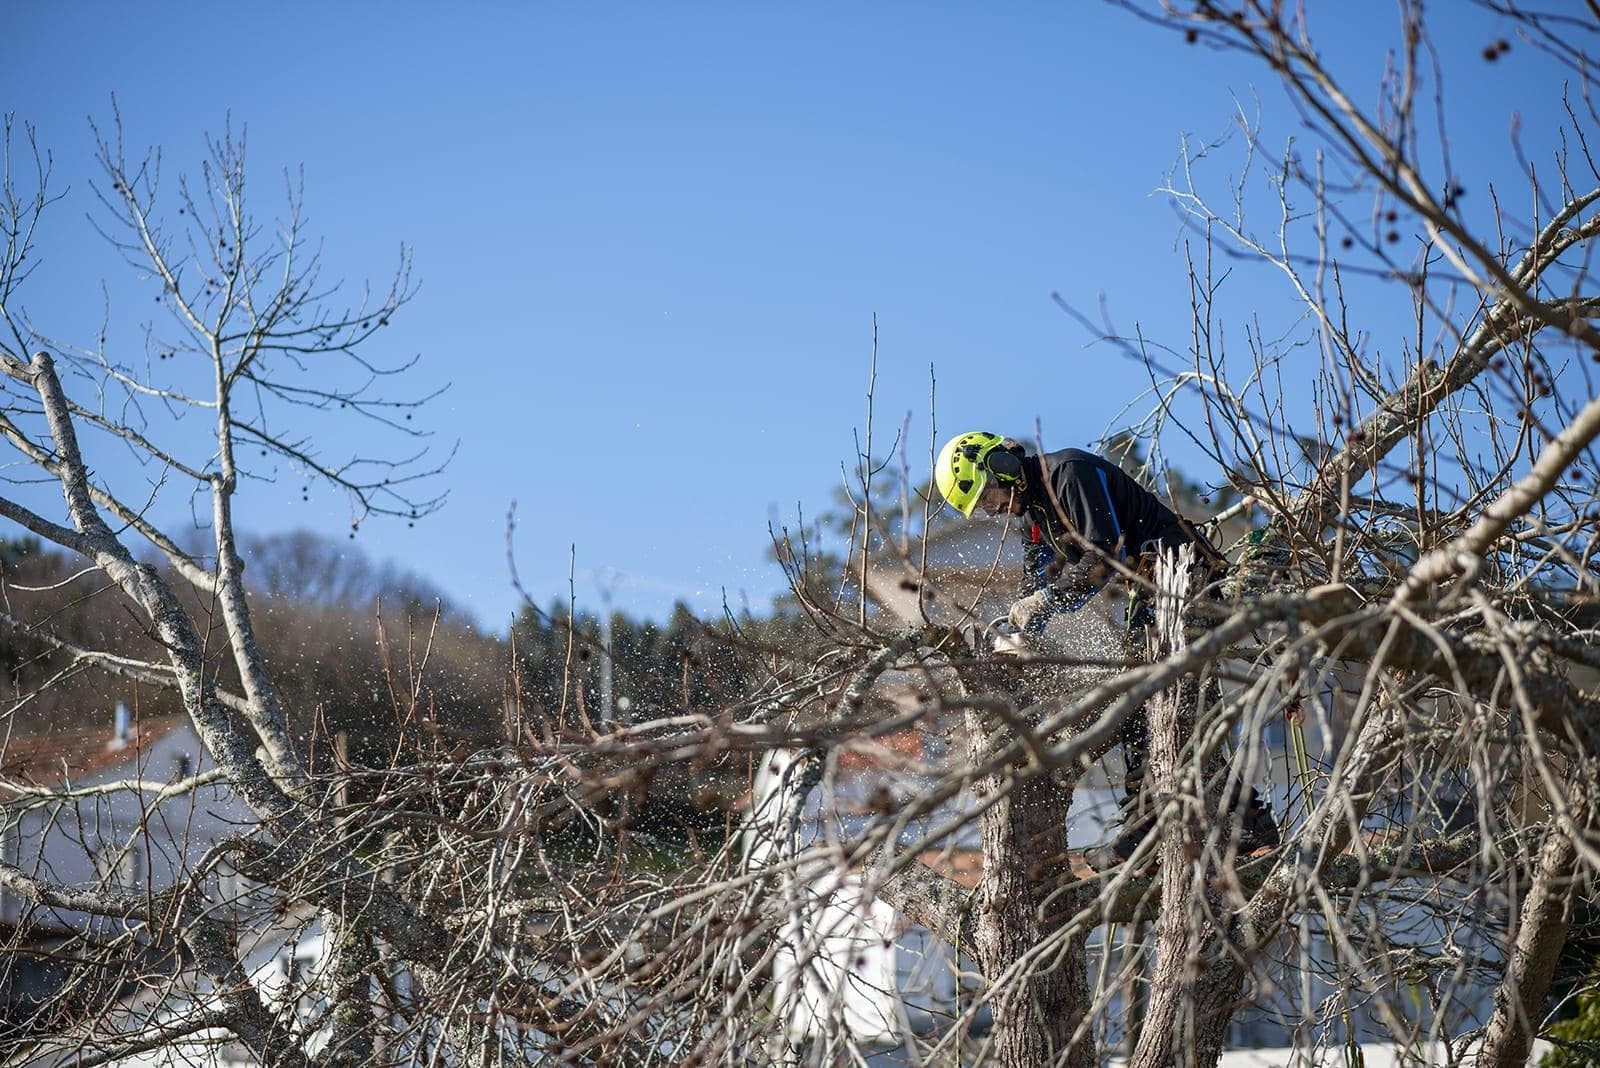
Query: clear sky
{"x": 652, "y": 238}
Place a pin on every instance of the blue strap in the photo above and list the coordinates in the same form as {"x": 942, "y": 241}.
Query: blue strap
{"x": 1116, "y": 523}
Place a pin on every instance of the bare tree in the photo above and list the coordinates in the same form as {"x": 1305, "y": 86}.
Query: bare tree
{"x": 1402, "y": 650}
{"x": 229, "y": 896}
{"x": 1412, "y": 616}
{"x": 1445, "y": 498}
{"x": 250, "y": 345}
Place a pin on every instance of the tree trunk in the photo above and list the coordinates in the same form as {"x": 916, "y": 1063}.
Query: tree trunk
{"x": 1172, "y": 1031}
{"x": 1039, "y": 1000}
{"x": 1541, "y": 932}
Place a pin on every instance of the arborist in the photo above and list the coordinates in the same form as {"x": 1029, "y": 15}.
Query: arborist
{"x": 1087, "y": 522}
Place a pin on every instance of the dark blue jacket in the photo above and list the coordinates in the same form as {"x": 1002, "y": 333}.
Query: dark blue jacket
{"x": 1086, "y": 510}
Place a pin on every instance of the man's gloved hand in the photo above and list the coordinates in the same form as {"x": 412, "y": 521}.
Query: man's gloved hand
{"x": 1029, "y": 613}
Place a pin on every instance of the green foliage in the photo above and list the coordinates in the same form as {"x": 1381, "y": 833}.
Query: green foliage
{"x": 1577, "y": 1038}
{"x": 379, "y": 664}
{"x": 14, "y": 648}
{"x": 685, "y": 665}
{"x": 13, "y": 550}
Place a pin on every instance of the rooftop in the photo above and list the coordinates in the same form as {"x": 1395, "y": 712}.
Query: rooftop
{"x": 63, "y": 756}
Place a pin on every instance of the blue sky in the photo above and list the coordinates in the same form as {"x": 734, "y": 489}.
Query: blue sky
{"x": 652, "y": 238}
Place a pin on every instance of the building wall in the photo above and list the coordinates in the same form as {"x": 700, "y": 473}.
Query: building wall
{"x": 120, "y": 838}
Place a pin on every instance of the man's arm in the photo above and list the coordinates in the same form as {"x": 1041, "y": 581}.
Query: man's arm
{"x": 1068, "y": 591}
{"x": 1083, "y": 502}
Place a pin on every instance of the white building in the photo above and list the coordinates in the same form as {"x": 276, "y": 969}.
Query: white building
{"x": 92, "y": 810}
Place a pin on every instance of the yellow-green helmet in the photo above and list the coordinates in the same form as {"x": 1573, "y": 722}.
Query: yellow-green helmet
{"x": 961, "y": 472}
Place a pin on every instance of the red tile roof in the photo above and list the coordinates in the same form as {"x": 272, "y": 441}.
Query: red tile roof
{"x": 57, "y": 756}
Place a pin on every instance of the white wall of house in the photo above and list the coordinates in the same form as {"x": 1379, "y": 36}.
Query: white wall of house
{"x": 121, "y": 838}
{"x": 835, "y": 969}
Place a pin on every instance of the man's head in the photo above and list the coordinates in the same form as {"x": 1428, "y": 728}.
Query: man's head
{"x": 980, "y": 470}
